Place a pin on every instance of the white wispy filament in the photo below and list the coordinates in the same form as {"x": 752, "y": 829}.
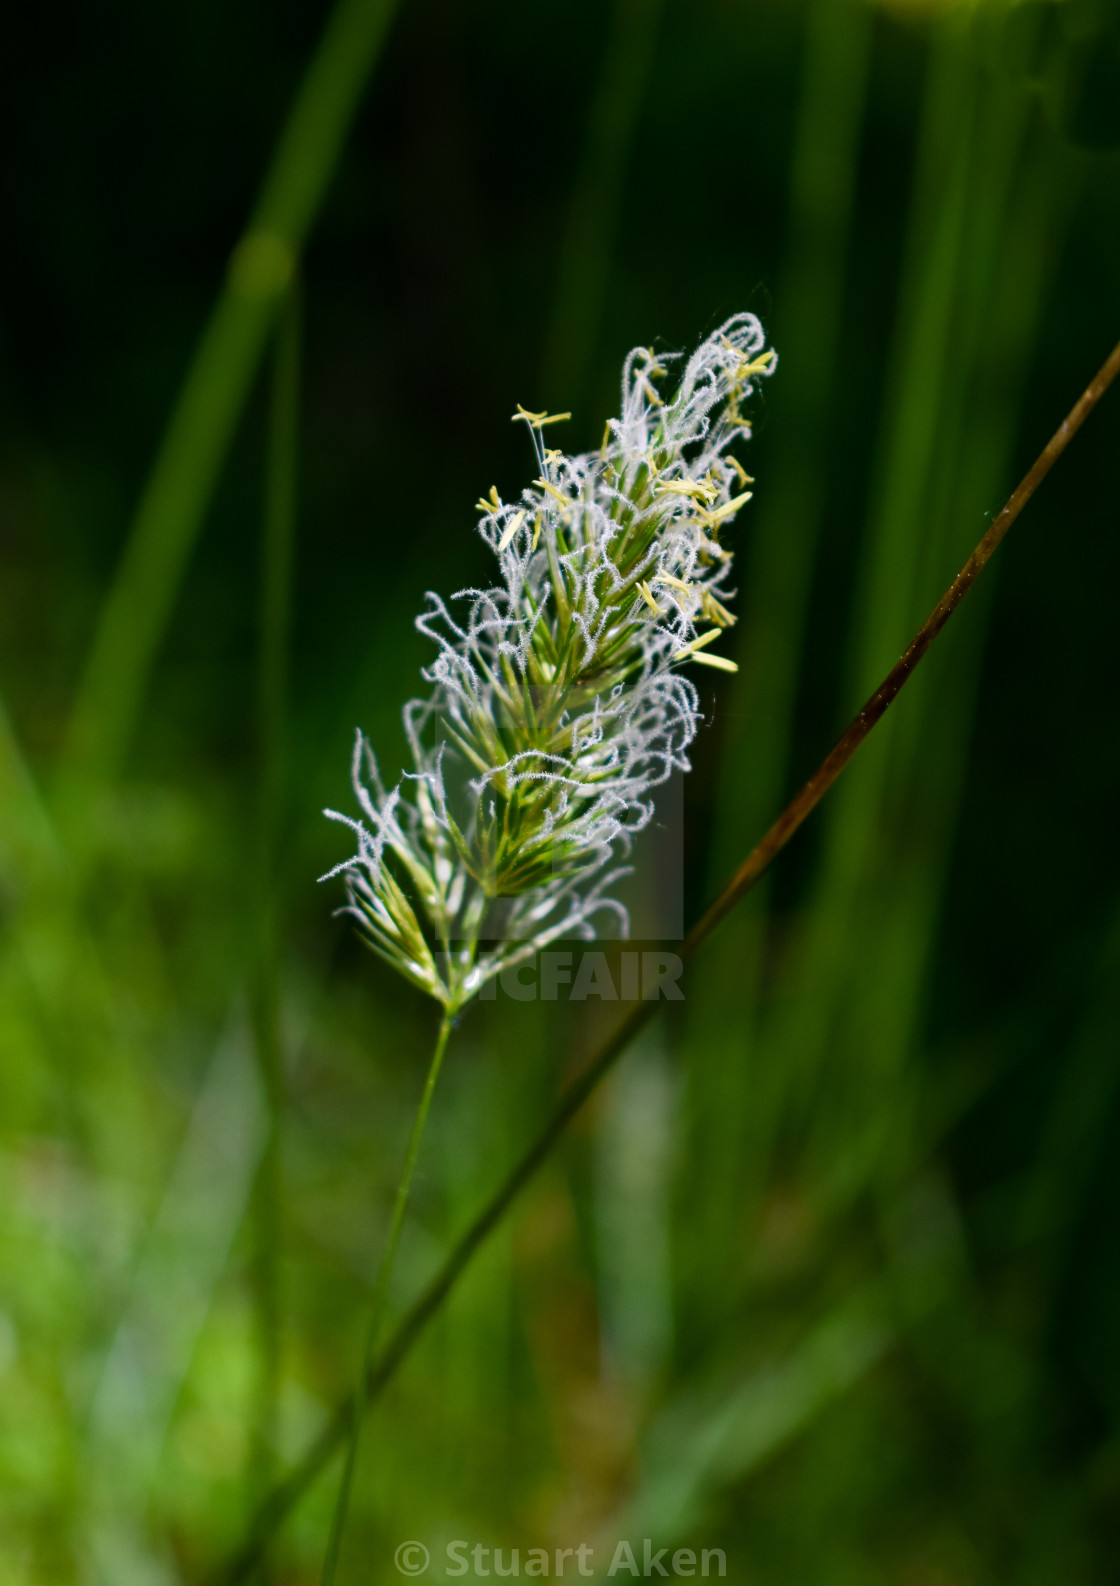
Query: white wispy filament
{"x": 557, "y": 703}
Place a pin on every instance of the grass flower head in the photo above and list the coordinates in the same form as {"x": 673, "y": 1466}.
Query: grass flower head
{"x": 557, "y": 700}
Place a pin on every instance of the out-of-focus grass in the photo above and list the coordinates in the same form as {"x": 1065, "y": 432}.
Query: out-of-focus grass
{"x": 175, "y": 498}
{"x": 823, "y": 1278}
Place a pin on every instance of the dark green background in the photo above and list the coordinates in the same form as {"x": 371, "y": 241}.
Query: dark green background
{"x": 878, "y": 1215}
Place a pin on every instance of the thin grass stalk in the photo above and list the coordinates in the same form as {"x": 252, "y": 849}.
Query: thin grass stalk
{"x": 360, "y": 1399}
{"x": 754, "y": 759}
{"x": 912, "y": 804}
{"x": 382, "y": 1368}
{"x": 585, "y": 255}
{"x": 871, "y": 1134}
{"x": 181, "y": 484}
{"x": 922, "y": 795}
{"x": 803, "y": 1020}
{"x": 277, "y": 549}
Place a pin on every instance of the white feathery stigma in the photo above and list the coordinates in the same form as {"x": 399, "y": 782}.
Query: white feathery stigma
{"x": 557, "y": 703}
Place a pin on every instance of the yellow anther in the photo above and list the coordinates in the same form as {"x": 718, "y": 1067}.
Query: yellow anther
{"x": 677, "y": 583}
{"x": 720, "y": 662}
{"x": 715, "y": 611}
{"x": 687, "y": 487}
{"x": 644, "y": 590}
{"x": 511, "y": 529}
{"x": 537, "y": 532}
{"x": 697, "y": 644}
{"x": 552, "y": 490}
{"x": 536, "y": 421}
{"x": 493, "y": 505}
{"x": 761, "y": 364}
{"x": 726, "y": 511}
{"x": 744, "y": 477}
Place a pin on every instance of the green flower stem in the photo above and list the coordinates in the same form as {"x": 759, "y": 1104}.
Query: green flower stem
{"x": 380, "y": 1369}
{"x": 357, "y": 1405}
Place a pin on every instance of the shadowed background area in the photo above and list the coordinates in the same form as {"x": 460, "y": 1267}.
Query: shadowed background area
{"x": 825, "y": 1276}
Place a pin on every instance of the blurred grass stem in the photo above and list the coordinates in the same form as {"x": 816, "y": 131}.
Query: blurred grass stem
{"x": 177, "y": 494}
{"x": 277, "y": 546}
{"x": 359, "y": 1402}
{"x": 382, "y": 1366}
{"x": 727, "y": 1109}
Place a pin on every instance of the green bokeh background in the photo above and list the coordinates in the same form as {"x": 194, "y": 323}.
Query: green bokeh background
{"x": 826, "y": 1275}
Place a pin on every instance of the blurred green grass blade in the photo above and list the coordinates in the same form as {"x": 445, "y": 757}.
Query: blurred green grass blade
{"x": 921, "y": 800}
{"x": 183, "y": 1255}
{"x": 728, "y": 1105}
{"x": 276, "y": 564}
{"x": 58, "y": 978}
{"x": 633, "y": 1180}
{"x": 886, "y": 582}
{"x": 858, "y": 984}
{"x": 1079, "y": 1116}
{"x": 277, "y": 553}
{"x": 1017, "y": 211}
{"x": 701, "y": 1444}
{"x": 785, "y": 528}
{"x": 28, "y": 841}
{"x": 178, "y": 491}
{"x": 585, "y": 255}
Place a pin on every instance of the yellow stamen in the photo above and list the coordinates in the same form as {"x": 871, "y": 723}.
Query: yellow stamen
{"x": 552, "y": 490}
{"x": 744, "y": 477}
{"x": 687, "y": 487}
{"x": 720, "y": 662}
{"x": 537, "y": 421}
{"x": 644, "y": 590}
{"x": 726, "y": 511}
{"x": 715, "y": 612}
{"x": 697, "y": 644}
{"x": 677, "y": 583}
